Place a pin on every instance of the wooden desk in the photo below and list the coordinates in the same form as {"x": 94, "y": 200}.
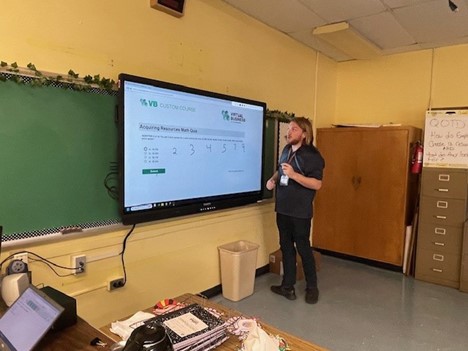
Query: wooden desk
{"x": 74, "y": 338}
{"x": 233, "y": 343}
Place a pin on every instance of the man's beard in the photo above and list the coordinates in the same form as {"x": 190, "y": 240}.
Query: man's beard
{"x": 294, "y": 141}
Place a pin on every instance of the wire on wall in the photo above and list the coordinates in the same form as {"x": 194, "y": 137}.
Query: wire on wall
{"x": 37, "y": 258}
{"x": 122, "y": 253}
{"x": 111, "y": 181}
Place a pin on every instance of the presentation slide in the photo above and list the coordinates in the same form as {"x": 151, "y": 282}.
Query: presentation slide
{"x": 186, "y": 146}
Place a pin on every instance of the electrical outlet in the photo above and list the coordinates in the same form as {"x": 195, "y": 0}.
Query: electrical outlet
{"x": 79, "y": 264}
{"x": 23, "y": 256}
{"x": 116, "y": 283}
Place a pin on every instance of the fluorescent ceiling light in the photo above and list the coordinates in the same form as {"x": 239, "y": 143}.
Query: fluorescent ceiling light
{"x": 345, "y": 39}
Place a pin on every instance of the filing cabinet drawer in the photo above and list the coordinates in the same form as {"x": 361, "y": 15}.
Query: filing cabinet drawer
{"x": 442, "y": 215}
{"x": 446, "y": 238}
{"x": 438, "y": 267}
{"x": 444, "y": 183}
{"x": 464, "y": 261}
{"x": 442, "y": 211}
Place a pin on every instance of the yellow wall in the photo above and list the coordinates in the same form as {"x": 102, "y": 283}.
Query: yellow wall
{"x": 400, "y": 88}
{"x": 212, "y": 47}
{"x": 450, "y": 77}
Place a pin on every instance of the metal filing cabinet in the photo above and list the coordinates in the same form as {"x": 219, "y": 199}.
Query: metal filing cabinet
{"x": 464, "y": 261}
{"x": 442, "y": 215}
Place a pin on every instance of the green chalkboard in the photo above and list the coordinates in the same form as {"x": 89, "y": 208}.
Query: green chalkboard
{"x": 269, "y": 159}
{"x": 56, "y": 147}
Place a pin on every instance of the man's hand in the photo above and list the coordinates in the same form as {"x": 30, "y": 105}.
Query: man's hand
{"x": 288, "y": 170}
{"x": 271, "y": 183}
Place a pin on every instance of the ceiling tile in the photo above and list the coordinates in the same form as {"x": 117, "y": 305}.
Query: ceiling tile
{"x": 401, "y": 49}
{"x": 434, "y": 21}
{"x": 383, "y": 30}
{"x": 393, "y": 4}
{"x": 449, "y": 42}
{"x": 308, "y": 39}
{"x": 395, "y": 26}
{"x": 284, "y": 15}
{"x": 344, "y": 10}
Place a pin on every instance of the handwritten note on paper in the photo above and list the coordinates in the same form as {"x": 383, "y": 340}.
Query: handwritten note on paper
{"x": 446, "y": 139}
{"x": 187, "y": 324}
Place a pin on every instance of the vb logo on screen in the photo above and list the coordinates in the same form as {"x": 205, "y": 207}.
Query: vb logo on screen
{"x": 148, "y": 103}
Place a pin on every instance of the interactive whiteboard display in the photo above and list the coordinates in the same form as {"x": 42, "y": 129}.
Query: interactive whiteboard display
{"x": 187, "y": 150}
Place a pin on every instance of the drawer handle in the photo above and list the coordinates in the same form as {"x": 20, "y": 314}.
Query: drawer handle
{"x": 443, "y": 190}
{"x": 442, "y": 204}
{"x": 440, "y": 231}
{"x": 441, "y": 217}
{"x": 437, "y": 270}
{"x": 438, "y": 257}
{"x": 439, "y": 244}
{"x": 444, "y": 177}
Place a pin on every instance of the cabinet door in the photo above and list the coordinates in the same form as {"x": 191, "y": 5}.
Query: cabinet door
{"x": 360, "y": 209}
{"x": 335, "y": 212}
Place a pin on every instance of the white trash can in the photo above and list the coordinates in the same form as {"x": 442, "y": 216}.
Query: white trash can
{"x": 238, "y": 264}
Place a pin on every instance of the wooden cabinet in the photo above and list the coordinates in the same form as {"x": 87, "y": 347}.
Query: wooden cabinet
{"x": 368, "y": 193}
{"x": 442, "y": 215}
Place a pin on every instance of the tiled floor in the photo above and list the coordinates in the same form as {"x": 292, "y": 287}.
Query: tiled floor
{"x": 364, "y": 308}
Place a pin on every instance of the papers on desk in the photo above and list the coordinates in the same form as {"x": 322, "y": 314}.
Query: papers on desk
{"x": 197, "y": 328}
{"x": 193, "y": 328}
{"x": 126, "y": 327}
{"x": 259, "y": 340}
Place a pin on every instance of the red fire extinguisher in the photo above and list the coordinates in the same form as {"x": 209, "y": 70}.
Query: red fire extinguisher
{"x": 417, "y": 160}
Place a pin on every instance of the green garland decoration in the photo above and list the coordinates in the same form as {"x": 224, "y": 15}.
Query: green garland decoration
{"x": 88, "y": 82}
{"x": 74, "y": 82}
{"x": 280, "y": 116}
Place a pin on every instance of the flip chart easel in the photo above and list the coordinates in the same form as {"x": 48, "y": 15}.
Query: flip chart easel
{"x": 446, "y": 138}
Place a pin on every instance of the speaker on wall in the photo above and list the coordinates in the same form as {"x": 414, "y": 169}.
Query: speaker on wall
{"x": 173, "y": 7}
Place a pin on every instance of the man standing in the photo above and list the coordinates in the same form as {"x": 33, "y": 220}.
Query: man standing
{"x": 298, "y": 177}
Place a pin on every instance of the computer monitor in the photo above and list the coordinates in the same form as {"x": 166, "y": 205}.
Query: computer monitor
{"x": 27, "y": 320}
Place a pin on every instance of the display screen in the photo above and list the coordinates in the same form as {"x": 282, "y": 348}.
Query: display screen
{"x": 185, "y": 150}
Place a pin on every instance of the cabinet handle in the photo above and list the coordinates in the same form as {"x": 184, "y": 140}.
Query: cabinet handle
{"x": 437, "y": 270}
{"x": 442, "y": 204}
{"x": 356, "y": 182}
{"x": 440, "y": 231}
{"x": 444, "y": 177}
{"x": 439, "y": 244}
{"x": 438, "y": 257}
{"x": 441, "y": 217}
{"x": 442, "y": 190}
